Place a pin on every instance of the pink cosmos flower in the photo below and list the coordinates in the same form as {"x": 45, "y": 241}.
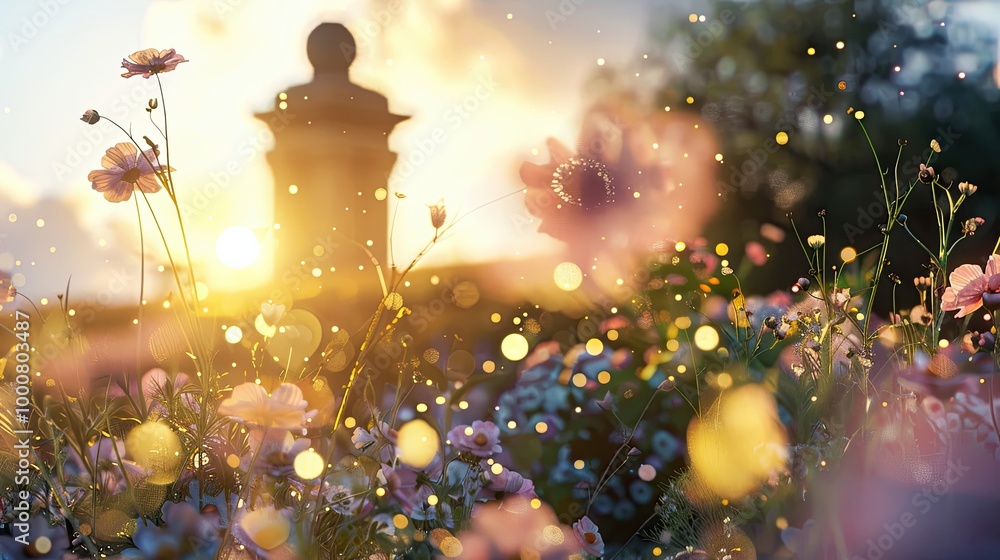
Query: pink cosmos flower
{"x": 968, "y": 282}
{"x": 124, "y": 171}
{"x": 151, "y": 61}
{"x": 589, "y": 536}
{"x": 481, "y": 439}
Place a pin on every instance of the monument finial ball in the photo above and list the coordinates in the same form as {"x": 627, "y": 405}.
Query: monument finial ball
{"x": 331, "y": 48}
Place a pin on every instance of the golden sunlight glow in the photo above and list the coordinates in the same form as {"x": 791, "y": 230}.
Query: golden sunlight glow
{"x": 237, "y": 247}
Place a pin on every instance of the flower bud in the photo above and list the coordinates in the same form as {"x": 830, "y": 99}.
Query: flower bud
{"x": 926, "y": 174}
{"x": 438, "y": 214}
{"x": 991, "y": 301}
{"x": 90, "y": 117}
{"x": 987, "y": 342}
{"x": 800, "y": 285}
{"x": 966, "y": 188}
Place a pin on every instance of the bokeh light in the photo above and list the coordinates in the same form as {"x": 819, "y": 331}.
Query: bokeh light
{"x": 417, "y": 443}
{"x": 568, "y": 276}
{"x": 706, "y": 338}
{"x": 737, "y": 444}
{"x": 514, "y": 347}
{"x": 308, "y": 464}
{"x": 156, "y": 449}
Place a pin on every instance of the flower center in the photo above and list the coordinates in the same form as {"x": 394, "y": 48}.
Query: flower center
{"x": 481, "y": 439}
{"x": 156, "y": 68}
{"x": 132, "y": 175}
{"x": 584, "y": 182}
{"x": 590, "y": 538}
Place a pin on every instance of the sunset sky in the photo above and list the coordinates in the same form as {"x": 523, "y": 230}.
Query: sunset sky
{"x": 424, "y": 55}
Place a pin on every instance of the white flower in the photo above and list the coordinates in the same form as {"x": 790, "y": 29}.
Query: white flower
{"x": 250, "y": 403}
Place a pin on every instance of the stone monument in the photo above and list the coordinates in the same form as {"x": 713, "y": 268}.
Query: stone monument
{"x": 331, "y": 163}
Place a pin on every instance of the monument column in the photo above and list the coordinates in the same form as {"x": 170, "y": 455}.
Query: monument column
{"x": 331, "y": 163}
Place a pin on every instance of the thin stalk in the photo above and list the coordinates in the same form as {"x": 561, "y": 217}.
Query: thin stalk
{"x": 142, "y": 291}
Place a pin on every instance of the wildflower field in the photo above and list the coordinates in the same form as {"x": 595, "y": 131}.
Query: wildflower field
{"x": 677, "y": 381}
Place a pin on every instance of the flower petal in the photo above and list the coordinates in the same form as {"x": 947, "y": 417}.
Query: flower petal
{"x": 992, "y": 266}
{"x": 965, "y": 274}
{"x": 104, "y": 178}
{"x": 121, "y": 155}
{"x": 148, "y": 184}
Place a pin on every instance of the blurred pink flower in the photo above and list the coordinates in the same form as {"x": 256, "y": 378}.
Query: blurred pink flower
{"x": 151, "y": 61}
{"x": 756, "y": 253}
{"x": 623, "y": 186}
{"x": 250, "y": 403}
{"x": 503, "y": 529}
{"x": 481, "y": 439}
{"x": 968, "y": 282}
{"x": 124, "y": 171}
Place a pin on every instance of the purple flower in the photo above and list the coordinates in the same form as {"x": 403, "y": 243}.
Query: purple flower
{"x": 589, "y": 536}
{"x": 508, "y": 482}
{"x": 151, "y": 61}
{"x": 481, "y": 439}
{"x": 45, "y": 542}
{"x": 186, "y": 532}
{"x": 124, "y": 171}
{"x": 403, "y": 486}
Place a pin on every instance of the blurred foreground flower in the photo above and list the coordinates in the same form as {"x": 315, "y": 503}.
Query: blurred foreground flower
{"x": 44, "y": 542}
{"x": 517, "y": 527}
{"x": 250, "y": 403}
{"x": 187, "y": 534}
{"x": 263, "y": 530}
{"x": 124, "y": 171}
{"x": 151, "y": 61}
{"x": 620, "y": 186}
{"x": 738, "y": 443}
